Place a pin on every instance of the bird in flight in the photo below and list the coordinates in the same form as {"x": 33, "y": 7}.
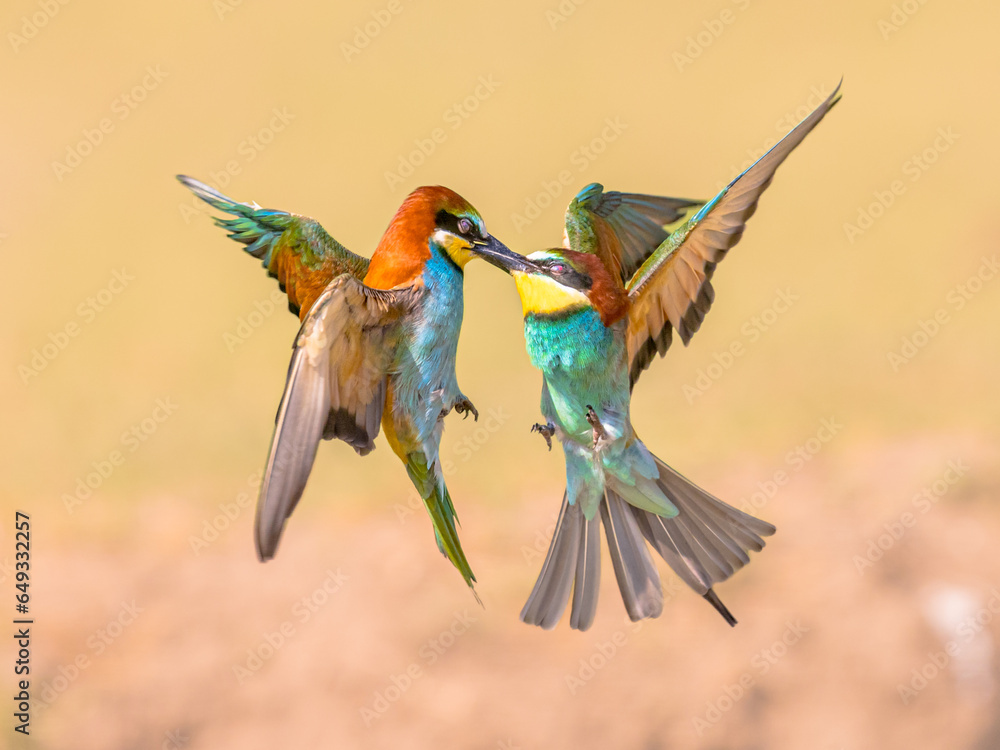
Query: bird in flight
{"x": 596, "y": 312}
{"x": 376, "y": 348}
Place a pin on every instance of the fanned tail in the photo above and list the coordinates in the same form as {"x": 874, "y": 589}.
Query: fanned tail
{"x": 573, "y": 563}
{"x": 707, "y": 541}
{"x": 638, "y": 581}
{"x": 431, "y": 487}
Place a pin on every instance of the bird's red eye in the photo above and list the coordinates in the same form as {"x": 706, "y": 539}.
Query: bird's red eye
{"x": 557, "y": 268}
{"x": 464, "y": 226}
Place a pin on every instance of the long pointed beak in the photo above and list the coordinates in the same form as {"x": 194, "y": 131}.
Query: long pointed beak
{"x": 497, "y": 253}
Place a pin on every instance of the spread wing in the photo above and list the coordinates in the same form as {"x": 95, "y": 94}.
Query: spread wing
{"x": 621, "y": 228}
{"x": 294, "y": 249}
{"x": 672, "y": 290}
{"x": 335, "y": 389}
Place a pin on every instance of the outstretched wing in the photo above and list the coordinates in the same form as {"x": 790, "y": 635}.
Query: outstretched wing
{"x": 335, "y": 389}
{"x": 621, "y": 228}
{"x": 294, "y": 249}
{"x": 672, "y": 290}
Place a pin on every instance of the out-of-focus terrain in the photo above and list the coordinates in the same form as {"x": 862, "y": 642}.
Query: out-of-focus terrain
{"x": 145, "y": 354}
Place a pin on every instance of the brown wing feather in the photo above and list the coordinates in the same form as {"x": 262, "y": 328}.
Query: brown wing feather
{"x": 672, "y": 290}
{"x": 622, "y": 229}
{"x": 335, "y": 389}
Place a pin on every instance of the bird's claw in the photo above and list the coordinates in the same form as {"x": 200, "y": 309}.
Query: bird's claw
{"x": 600, "y": 434}
{"x": 465, "y": 406}
{"x": 546, "y": 431}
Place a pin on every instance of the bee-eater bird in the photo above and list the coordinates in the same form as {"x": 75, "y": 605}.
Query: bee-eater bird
{"x": 595, "y": 314}
{"x": 377, "y": 344}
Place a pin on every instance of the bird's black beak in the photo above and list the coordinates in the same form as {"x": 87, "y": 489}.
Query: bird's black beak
{"x": 493, "y": 250}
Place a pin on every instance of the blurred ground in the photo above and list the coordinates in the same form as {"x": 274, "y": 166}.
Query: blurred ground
{"x": 862, "y": 420}
{"x": 356, "y": 636}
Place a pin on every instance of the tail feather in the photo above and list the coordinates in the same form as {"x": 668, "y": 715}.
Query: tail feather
{"x": 724, "y": 543}
{"x": 587, "y": 586}
{"x": 550, "y": 595}
{"x": 707, "y": 541}
{"x": 704, "y": 544}
{"x": 671, "y": 545}
{"x": 430, "y": 485}
{"x": 712, "y": 598}
{"x": 574, "y": 562}
{"x": 638, "y": 580}
{"x": 704, "y": 552}
{"x": 738, "y": 518}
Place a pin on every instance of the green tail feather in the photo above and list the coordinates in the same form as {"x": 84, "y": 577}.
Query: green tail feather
{"x": 441, "y": 510}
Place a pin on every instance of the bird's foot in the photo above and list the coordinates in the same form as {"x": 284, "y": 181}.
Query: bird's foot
{"x": 546, "y": 430}
{"x": 600, "y": 434}
{"x": 464, "y": 406}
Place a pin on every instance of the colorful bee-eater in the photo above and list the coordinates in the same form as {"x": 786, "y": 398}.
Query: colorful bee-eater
{"x": 595, "y": 314}
{"x": 377, "y": 344}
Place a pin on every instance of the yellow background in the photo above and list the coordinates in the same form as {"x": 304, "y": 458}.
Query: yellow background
{"x": 694, "y": 90}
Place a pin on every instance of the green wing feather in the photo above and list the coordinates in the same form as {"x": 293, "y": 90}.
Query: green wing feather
{"x": 622, "y": 228}
{"x": 294, "y": 249}
{"x": 672, "y": 291}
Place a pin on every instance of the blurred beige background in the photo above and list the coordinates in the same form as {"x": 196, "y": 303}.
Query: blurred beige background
{"x": 861, "y": 419}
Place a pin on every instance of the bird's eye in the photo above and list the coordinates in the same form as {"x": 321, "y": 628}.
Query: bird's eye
{"x": 464, "y": 226}
{"x": 557, "y": 268}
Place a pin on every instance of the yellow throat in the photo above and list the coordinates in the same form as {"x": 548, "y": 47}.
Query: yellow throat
{"x": 543, "y": 296}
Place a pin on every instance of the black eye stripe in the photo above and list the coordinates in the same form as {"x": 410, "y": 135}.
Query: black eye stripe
{"x": 569, "y": 276}
{"x": 449, "y": 222}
